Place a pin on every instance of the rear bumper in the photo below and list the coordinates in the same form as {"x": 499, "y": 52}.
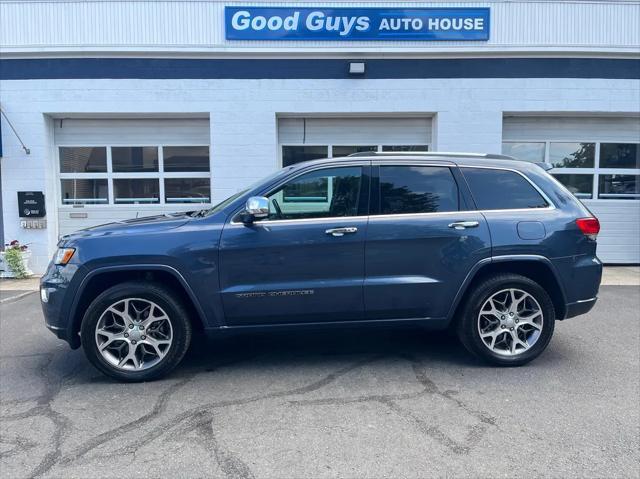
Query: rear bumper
{"x": 580, "y": 307}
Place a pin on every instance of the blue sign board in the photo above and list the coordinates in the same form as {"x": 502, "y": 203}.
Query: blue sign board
{"x": 353, "y": 24}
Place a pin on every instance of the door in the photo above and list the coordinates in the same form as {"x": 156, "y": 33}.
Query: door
{"x": 305, "y": 262}
{"x": 112, "y": 169}
{"x": 422, "y": 240}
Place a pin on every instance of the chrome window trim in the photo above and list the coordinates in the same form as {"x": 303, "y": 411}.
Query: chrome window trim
{"x": 551, "y": 206}
{"x": 332, "y": 219}
{"x": 459, "y": 212}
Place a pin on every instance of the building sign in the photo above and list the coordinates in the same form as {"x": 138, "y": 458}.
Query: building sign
{"x": 31, "y": 204}
{"x": 354, "y": 24}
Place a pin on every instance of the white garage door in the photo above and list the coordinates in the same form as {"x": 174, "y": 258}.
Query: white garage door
{"x": 302, "y": 139}
{"x": 598, "y": 159}
{"x": 114, "y": 169}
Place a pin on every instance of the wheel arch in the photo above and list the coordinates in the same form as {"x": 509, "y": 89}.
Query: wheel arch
{"x": 99, "y": 279}
{"x": 538, "y": 268}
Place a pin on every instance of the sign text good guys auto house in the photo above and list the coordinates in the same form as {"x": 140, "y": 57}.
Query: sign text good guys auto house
{"x": 353, "y": 24}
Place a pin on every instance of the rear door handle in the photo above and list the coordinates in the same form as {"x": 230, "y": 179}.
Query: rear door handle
{"x": 342, "y": 231}
{"x": 460, "y": 225}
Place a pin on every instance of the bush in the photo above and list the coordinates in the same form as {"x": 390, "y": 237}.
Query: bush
{"x": 13, "y": 259}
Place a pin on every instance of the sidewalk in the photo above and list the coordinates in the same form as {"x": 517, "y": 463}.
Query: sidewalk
{"x": 12, "y": 289}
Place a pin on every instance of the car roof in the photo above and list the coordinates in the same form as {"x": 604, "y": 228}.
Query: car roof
{"x": 444, "y": 158}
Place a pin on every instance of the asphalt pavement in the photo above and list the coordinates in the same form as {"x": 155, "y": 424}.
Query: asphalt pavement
{"x": 348, "y": 404}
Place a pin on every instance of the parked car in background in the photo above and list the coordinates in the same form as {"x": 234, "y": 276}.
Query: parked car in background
{"x": 495, "y": 248}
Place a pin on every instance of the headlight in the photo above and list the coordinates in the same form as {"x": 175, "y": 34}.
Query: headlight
{"x": 63, "y": 255}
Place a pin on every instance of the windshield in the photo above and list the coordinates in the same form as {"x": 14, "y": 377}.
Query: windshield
{"x": 222, "y": 205}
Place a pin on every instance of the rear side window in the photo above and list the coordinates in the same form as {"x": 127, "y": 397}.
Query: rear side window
{"x": 501, "y": 190}
{"x": 417, "y": 189}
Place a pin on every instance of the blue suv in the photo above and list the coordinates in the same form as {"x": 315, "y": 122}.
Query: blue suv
{"x": 493, "y": 248}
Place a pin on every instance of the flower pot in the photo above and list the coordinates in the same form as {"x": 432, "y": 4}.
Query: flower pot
{"x": 6, "y": 272}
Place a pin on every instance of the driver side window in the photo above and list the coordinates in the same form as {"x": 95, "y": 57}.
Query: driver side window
{"x": 331, "y": 192}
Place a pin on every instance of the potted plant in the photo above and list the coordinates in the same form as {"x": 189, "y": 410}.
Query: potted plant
{"x": 14, "y": 261}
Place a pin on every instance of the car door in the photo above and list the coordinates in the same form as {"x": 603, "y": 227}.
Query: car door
{"x": 305, "y": 261}
{"x": 423, "y": 239}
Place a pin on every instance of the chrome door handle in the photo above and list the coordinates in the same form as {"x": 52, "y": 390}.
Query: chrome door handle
{"x": 341, "y": 231}
{"x": 460, "y": 225}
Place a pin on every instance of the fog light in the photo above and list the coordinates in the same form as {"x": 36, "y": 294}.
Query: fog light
{"x": 44, "y": 295}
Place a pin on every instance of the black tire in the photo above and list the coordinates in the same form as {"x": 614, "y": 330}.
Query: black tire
{"x": 468, "y": 321}
{"x": 165, "y": 299}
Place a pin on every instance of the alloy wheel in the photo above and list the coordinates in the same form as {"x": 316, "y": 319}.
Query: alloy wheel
{"x": 134, "y": 334}
{"x": 510, "y": 322}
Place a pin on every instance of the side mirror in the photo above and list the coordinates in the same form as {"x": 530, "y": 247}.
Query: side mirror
{"x": 256, "y": 207}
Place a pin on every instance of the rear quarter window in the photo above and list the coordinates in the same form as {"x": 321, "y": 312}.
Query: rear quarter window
{"x": 501, "y": 190}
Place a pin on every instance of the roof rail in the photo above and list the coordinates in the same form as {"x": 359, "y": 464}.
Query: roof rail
{"x": 450, "y": 154}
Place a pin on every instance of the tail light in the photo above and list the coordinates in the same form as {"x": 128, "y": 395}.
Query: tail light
{"x": 589, "y": 226}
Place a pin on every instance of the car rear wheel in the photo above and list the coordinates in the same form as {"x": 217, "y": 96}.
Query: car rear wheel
{"x": 136, "y": 331}
{"x": 508, "y": 320}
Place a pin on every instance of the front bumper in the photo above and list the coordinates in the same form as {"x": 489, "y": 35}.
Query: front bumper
{"x": 56, "y": 297}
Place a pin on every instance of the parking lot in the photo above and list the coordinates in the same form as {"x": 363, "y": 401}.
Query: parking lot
{"x": 401, "y": 403}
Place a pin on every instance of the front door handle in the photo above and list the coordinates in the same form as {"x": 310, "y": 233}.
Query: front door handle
{"x": 460, "y": 225}
{"x": 341, "y": 231}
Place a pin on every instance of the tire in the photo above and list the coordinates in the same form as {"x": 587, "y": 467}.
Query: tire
{"x": 532, "y": 330}
{"x": 154, "y": 344}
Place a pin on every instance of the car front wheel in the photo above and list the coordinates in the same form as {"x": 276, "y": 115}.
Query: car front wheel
{"x": 508, "y": 320}
{"x": 136, "y": 331}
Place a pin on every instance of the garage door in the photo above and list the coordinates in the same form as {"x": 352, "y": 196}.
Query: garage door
{"x": 114, "y": 169}
{"x": 302, "y": 139}
{"x": 598, "y": 159}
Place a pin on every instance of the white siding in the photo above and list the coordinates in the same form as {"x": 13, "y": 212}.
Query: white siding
{"x": 181, "y": 25}
{"x": 355, "y": 131}
{"x": 576, "y": 128}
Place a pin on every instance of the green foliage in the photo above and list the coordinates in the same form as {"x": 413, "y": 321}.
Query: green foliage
{"x": 13, "y": 259}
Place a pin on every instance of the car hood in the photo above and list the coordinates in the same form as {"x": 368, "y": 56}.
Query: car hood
{"x": 147, "y": 224}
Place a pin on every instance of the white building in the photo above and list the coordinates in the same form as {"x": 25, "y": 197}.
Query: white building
{"x": 131, "y": 108}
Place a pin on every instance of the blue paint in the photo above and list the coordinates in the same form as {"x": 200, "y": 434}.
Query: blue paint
{"x": 357, "y": 24}
{"x": 399, "y": 268}
{"x": 172, "y": 68}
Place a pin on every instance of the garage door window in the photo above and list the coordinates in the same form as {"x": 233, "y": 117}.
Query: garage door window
{"x": 526, "y": 151}
{"x": 83, "y": 160}
{"x": 619, "y": 187}
{"x": 590, "y": 170}
{"x": 619, "y": 155}
{"x": 292, "y": 154}
{"x": 572, "y": 155}
{"x": 84, "y": 191}
{"x": 137, "y": 159}
{"x": 186, "y": 158}
{"x": 122, "y": 175}
{"x": 345, "y": 150}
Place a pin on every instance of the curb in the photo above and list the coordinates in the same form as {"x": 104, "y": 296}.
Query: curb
{"x": 11, "y": 299}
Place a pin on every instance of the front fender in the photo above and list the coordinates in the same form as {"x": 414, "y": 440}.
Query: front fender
{"x": 146, "y": 267}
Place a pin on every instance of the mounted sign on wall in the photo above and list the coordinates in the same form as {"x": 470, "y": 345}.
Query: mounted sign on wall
{"x": 31, "y": 204}
{"x": 353, "y": 24}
